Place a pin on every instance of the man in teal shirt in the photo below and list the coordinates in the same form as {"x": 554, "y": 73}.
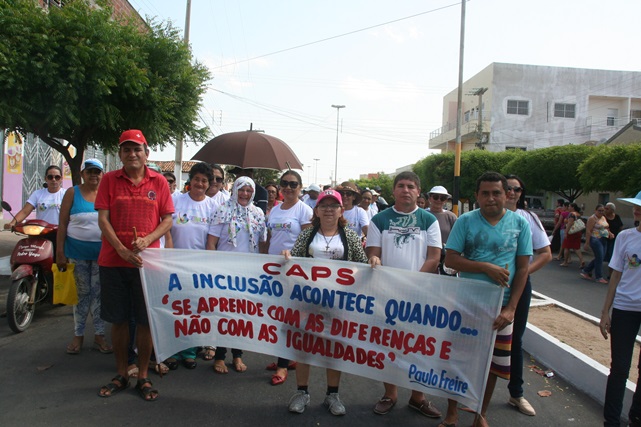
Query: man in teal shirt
{"x": 492, "y": 244}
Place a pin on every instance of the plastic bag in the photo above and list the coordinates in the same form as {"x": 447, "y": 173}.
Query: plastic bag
{"x": 64, "y": 286}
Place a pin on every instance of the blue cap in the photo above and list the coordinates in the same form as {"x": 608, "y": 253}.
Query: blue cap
{"x": 92, "y": 164}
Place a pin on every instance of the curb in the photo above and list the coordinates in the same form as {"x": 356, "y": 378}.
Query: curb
{"x": 581, "y": 371}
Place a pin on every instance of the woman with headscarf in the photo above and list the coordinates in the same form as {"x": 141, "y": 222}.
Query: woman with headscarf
{"x": 328, "y": 238}
{"x": 238, "y": 226}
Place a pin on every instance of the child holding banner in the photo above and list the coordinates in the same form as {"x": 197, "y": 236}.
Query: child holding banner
{"x": 328, "y": 238}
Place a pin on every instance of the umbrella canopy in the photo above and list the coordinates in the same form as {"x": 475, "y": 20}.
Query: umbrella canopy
{"x": 249, "y": 150}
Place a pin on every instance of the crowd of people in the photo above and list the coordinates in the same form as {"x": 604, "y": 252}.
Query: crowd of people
{"x": 109, "y": 219}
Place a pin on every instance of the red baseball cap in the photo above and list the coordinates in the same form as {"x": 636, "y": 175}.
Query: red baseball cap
{"x": 330, "y": 193}
{"x": 133, "y": 135}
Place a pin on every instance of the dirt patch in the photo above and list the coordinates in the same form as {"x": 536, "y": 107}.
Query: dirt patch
{"x": 579, "y": 334}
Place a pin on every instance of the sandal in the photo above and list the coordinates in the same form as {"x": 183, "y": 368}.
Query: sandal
{"x": 209, "y": 353}
{"x": 117, "y": 384}
{"x": 219, "y": 367}
{"x": 171, "y": 363}
{"x": 239, "y": 366}
{"x": 159, "y": 368}
{"x": 148, "y": 394}
{"x": 75, "y": 345}
{"x": 132, "y": 371}
{"x": 103, "y": 347}
{"x": 273, "y": 366}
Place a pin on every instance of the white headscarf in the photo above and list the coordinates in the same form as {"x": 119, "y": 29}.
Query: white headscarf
{"x": 237, "y": 217}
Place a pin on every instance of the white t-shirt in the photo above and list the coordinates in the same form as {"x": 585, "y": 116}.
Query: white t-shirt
{"x": 310, "y": 202}
{"x": 47, "y": 205}
{"x": 220, "y": 197}
{"x": 539, "y": 236}
{"x": 626, "y": 258}
{"x": 404, "y": 237}
{"x": 323, "y": 247}
{"x": 285, "y": 225}
{"x": 356, "y": 218}
{"x": 191, "y": 221}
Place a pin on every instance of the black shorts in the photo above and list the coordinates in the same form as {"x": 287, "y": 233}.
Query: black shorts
{"x": 121, "y": 296}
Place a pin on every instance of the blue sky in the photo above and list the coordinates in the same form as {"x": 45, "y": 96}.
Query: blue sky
{"x": 391, "y": 78}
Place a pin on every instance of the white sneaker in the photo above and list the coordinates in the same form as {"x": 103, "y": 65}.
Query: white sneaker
{"x": 522, "y": 405}
{"x": 298, "y": 402}
{"x": 334, "y": 404}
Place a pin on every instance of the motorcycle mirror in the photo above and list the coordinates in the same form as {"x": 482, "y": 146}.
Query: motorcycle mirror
{"x": 6, "y": 206}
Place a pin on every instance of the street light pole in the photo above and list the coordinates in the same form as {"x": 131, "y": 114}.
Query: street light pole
{"x": 178, "y": 159}
{"x": 316, "y": 172}
{"x": 338, "y": 110}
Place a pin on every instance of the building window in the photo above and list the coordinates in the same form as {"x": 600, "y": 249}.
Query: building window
{"x": 565, "y": 110}
{"x": 466, "y": 116}
{"x": 515, "y": 148}
{"x": 635, "y": 114}
{"x": 518, "y": 107}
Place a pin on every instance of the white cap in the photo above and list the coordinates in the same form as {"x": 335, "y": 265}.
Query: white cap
{"x": 313, "y": 187}
{"x": 439, "y": 189}
{"x": 632, "y": 201}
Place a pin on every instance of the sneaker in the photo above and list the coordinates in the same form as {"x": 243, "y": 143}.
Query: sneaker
{"x": 334, "y": 404}
{"x": 299, "y": 401}
{"x": 522, "y": 405}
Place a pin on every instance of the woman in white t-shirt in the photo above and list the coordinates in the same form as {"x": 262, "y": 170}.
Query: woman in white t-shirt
{"x": 237, "y": 226}
{"x": 284, "y": 224}
{"x": 193, "y": 214}
{"x": 624, "y": 298}
{"x": 357, "y": 218}
{"x": 45, "y": 201}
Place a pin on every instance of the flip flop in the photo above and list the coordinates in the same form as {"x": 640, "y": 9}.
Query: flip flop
{"x": 132, "y": 371}
{"x": 103, "y": 348}
{"x": 220, "y": 367}
{"x": 239, "y": 366}
{"x": 75, "y": 348}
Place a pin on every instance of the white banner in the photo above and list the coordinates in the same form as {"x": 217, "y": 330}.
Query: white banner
{"x": 420, "y": 331}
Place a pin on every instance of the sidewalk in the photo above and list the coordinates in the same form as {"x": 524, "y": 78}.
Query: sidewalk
{"x": 42, "y": 385}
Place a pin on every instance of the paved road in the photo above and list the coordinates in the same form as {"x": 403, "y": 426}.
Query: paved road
{"x": 41, "y": 385}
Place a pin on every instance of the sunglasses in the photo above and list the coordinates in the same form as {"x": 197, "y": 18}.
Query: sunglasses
{"x": 441, "y": 197}
{"x": 347, "y": 193}
{"x": 171, "y": 181}
{"x": 515, "y": 189}
{"x": 54, "y": 177}
{"x": 218, "y": 179}
{"x": 291, "y": 184}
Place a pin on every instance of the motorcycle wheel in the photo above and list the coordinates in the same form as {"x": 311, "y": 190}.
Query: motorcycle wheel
{"x": 19, "y": 311}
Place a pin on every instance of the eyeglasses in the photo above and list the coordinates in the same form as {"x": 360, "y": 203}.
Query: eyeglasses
{"x": 218, "y": 179}
{"x": 441, "y": 197}
{"x": 291, "y": 184}
{"x": 515, "y": 189}
{"x": 331, "y": 207}
{"x": 347, "y": 193}
{"x": 54, "y": 177}
{"x": 171, "y": 181}
{"x": 271, "y": 191}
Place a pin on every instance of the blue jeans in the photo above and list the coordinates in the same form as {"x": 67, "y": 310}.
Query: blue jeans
{"x": 87, "y": 278}
{"x": 624, "y": 329}
{"x": 515, "y": 386}
{"x": 598, "y": 247}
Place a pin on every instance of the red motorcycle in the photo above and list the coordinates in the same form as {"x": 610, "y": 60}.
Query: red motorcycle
{"x": 31, "y": 274}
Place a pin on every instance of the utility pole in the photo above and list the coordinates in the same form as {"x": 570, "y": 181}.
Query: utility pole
{"x": 178, "y": 163}
{"x": 479, "y": 129}
{"x": 338, "y": 110}
{"x": 459, "y": 118}
{"x": 316, "y": 171}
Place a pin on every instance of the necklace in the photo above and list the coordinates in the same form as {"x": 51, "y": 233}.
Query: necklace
{"x": 328, "y": 242}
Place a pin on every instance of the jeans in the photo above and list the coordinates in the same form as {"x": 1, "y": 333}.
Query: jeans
{"x": 87, "y": 278}
{"x": 624, "y": 329}
{"x": 515, "y": 386}
{"x": 598, "y": 247}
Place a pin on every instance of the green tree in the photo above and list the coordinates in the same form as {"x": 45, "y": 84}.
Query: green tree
{"x": 612, "y": 168}
{"x": 382, "y": 180}
{"x": 552, "y": 169}
{"x": 76, "y": 74}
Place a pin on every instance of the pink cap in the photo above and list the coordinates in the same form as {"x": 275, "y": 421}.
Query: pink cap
{"x": 330, "y": 193}
{"x": 133, "y": 135}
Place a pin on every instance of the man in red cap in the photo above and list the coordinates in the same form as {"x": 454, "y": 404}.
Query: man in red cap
{"x": 134, "y": 210}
